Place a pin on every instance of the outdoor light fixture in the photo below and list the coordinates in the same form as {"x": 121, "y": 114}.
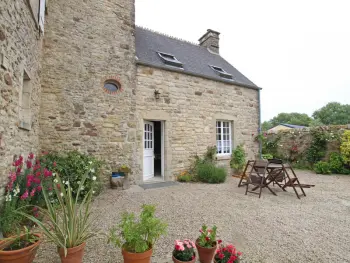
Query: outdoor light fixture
{"x": 156, "y": 94}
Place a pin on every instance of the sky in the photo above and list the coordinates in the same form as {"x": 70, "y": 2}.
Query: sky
{"x": 297, "y": 51}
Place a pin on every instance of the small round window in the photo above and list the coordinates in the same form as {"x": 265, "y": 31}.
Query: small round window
{"x": 112, "y": 86}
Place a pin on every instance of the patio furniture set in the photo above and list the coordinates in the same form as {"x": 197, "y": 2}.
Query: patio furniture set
{"x": 267, "y": 173}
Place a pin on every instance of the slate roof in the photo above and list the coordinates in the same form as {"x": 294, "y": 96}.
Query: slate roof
{"x": 195, "y": 59}
{"x": 293, "y": 126}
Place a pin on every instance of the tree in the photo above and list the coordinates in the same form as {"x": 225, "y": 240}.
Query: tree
{"x": 295, "y": 118}
{"x": 333, "y": 113}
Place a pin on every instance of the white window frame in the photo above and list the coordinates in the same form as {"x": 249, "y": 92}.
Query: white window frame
{"x": 222, "y": 137}
{"x": 42, "y": 11}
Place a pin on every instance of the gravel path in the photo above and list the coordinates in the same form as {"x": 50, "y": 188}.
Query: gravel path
{"x": 273, "y": 229}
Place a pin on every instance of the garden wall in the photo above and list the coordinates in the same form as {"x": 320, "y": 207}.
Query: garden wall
{"x": 294, "y": 145}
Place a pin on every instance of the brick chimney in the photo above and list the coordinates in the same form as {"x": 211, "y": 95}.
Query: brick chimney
{"x": 210, "y": 40}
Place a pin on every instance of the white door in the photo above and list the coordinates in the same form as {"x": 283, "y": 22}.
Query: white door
{"x": 148, "y": 151}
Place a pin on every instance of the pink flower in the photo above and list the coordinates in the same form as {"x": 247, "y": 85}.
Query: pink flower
{"x": 207, "y": 238}
{"x": 39, "y": 188}
{"x": 38, "y": 174}
{"x": 25, "y": 195}
{"x": 13, "y": 177}
{"x": 221, "y": 256}
{"x": 54, "y": 164}
{"x": 177, "y": 247}
{"x": 31, "y": 156}
{"x": 47, "y": 173}
{"x": 18, "y": 171}
{"x": 29, "y": 164}
{"x": 219, "y": 241}
{"x": 29, "y": 179}
{"x": 32, "y": 193}
{"x": 36, "y": 180}
{"x": 192, "y": 258}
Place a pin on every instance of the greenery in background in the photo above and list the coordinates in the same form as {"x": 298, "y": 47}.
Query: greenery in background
{"x": 269, "y": 144}
{"x": 72, "y": 167}
{"x": 267, "y": 156}
{"x": 137, "y": 235}
{"x": 333, "y": 113}
{"x": 209, "y": 173}
{"x": 295, "y": 118}
{"x": 238, "y": 160}
{"x": 345, "y": 147}
{"x": 67, "y": 224}
{"x": 318, "y": 147}
{"x": 322, "y": 167}
{"x": 186, "y": 177}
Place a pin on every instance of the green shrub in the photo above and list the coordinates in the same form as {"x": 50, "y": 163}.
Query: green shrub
{"x": 336, "y": 164}
{"x": 267, "y": 156}
{"x": 345, "y": 147}
{"x": 322, "y": 168}
{"x": 185, "y": 177}
{"x": 72, "y": 167}
{"x": 209, "y": 173}
{"x": 238, "y": 159}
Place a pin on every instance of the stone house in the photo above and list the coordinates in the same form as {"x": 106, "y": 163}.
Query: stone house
{"x": 80, "y": 75}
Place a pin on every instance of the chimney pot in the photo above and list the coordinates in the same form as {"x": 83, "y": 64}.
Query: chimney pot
{"x": 210, "y": 40}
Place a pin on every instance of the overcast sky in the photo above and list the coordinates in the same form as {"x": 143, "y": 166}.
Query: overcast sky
{"x": 298, "y": 51}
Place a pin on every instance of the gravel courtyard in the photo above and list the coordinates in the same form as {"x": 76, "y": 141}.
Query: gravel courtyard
{"x": 271, "y": 229}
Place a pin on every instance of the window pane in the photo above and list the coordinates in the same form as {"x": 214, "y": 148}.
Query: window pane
{"x": 145, "y": 144}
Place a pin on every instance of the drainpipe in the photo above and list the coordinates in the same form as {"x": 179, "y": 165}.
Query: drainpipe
{"x": 259, "y": 127}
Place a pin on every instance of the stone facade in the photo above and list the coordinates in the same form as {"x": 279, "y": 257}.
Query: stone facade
{"x": 20, "y": 52}
{"x": 190, "y": 106}
{"x": 85, "y": 43}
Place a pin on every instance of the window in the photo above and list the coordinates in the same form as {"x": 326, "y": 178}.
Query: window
{"x": 170, "y": 60}
{"x": 112, "y": 86}
{"x": 38, "y": 11}
{"x": 222, "y": 73}
{"x": 223, "y": 137}
{"x": 24, "y": 103}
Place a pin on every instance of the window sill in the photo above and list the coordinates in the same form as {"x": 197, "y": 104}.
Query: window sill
{"x": 24, "y": 126}
{"x": 223, "y": 157}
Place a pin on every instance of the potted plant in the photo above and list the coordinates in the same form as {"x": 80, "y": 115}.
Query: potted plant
{"x": 124, "y": 169}
{"x": 19, "y": 249}
{"x": 206, "y": 244}
{"x": 119, "y": 179}
{"x": 184, "y": 251}
{"x": 238, "y": 160}
{"x": 137, "y": 237}
{"x": 68, "y": 222}
{"x": 227, "y": 254}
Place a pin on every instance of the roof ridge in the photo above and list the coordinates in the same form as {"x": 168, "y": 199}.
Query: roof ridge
{"x": 169, "y": 36}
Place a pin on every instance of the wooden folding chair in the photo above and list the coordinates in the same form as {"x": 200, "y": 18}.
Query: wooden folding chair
{"x": 244, "y": 176}
{"x": 293, "y": 180}
{"x": 256, "y": 177}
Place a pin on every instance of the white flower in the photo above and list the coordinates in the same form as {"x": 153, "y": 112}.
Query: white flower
{"x": 82, "y": 188}
{"x": 78, "y": 182}
{"x": 92, "y": 170}
{"x": 94, "y": 178}
{"x": 50, "y": 193}
{"x": 61, "y": 194}
{"x": 67, "y": 182}
{"x": 93, "y": 192}
{"x": 90, "y": 162}
{"x": 63, "y": 181}
{"x": 54, "y": 174}
{"x": 55, "y": 181}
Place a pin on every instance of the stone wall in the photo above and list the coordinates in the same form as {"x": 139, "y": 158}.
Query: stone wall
{"x": 20, "y": 45}
{"x": 85, "y": 42}
{"x": 190, "y": 107}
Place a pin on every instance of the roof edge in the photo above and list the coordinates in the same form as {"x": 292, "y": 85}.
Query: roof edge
{"x": 138, "y": 62}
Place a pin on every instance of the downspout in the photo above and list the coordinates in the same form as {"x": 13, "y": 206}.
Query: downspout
{"x": 259, "y": 126}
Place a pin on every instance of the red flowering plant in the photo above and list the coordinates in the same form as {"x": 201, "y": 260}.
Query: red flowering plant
{"x": 184, "y": 250}
{"x": 207, "y": 237}
{"x": 25, "y": 182}
{"x": 227, "y": 254}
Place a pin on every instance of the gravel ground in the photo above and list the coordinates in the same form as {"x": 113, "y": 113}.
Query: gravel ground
{"x": 271, "y": 229}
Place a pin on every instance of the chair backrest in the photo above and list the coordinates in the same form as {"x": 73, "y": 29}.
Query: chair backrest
{"x": 257, "y": 171}
{"x": 276, "y": 161}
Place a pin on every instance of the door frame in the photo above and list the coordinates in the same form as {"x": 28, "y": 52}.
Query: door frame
{"x": 162, "y": 131}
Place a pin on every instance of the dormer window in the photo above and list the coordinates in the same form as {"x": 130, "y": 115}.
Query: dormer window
{"x": 170, "y": 60}
{"x": 222, "y": 73}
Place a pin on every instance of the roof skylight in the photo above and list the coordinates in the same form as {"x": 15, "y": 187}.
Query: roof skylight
{"x": 222, "y": 73}
{"x": 170, "y": 60}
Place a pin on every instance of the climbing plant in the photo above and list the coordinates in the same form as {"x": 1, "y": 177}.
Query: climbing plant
{"x": 317, "y": 150}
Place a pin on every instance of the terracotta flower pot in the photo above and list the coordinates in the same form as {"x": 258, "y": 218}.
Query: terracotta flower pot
{"x": 24, "y": 255}
{"x": 205, "y": 254}
{"x": 74, "y": 254}
{"x": 144, "y": 257}
{"x": 178, "y": 261}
